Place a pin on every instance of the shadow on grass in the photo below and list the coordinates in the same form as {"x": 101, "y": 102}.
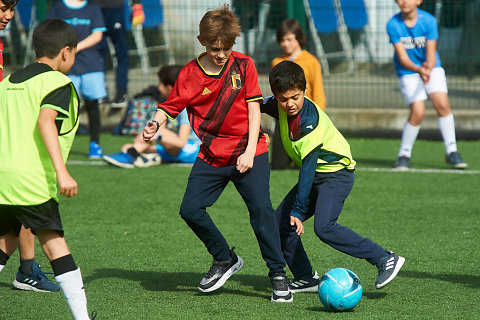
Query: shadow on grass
{"x": 374, "y": 295}
{"x": 183, "y": 281}
{"x": 469, "y": 281}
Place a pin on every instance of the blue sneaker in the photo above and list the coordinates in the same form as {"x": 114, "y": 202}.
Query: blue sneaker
{"x": 121, "y": 159}
{"x": 95, "y": 151}
{"x": 37, "y": 281}
{"x": 455, "y": 160}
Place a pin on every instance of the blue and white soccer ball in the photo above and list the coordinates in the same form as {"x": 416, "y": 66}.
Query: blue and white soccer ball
{"x": 340, "y": 289}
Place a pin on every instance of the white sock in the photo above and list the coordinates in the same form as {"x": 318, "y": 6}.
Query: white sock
{"x": 1, "y": 267}
{"x": 447, "y": 128}
{"x": 72, "y": 288}
{"x": 409, "y": 135}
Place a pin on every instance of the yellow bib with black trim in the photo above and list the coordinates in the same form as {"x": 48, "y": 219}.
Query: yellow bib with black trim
{"x": 27, "y": 175}
{"x": 325, "y": 135}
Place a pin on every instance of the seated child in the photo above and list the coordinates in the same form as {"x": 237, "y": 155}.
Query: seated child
{"x": 176, "y": 141}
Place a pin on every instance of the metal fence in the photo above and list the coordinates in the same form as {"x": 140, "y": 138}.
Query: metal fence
{"x": 363, "y": 77}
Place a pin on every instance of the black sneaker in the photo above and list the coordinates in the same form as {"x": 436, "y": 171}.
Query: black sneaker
{"x": 219, "y": 272}
{"x": 281, "y": 289}
{"x": 455, "y": 160}
{"x": 120, "y": 101}
{"x": 388, "y": 268}
{"x": 305, "y": 284}
{"x": 402, "y": 164}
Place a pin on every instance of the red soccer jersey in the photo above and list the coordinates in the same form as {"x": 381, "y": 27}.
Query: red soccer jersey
{"x": 1, "y": 60}
{"x": 217, "y": 107}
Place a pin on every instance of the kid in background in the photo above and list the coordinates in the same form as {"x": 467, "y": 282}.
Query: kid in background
{"x": 176, "y": 141}
{"x": 324, "y": 182}
{"x": 37, "y": 127}
{"x": 88, "y": 73}
{"x": 220, "y": 91}
{"x": 292, "y": 39}
{"x": 413, "y": 33}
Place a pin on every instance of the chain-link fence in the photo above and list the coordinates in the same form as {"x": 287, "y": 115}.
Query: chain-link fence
{"x": 360, "y": 75}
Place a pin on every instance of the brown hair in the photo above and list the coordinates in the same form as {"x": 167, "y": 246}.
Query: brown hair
{"x": 293, "y": 26}
{"x": 219, "y": 25}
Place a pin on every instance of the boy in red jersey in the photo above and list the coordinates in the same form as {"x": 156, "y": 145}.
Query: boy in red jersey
{"x": 220, "y": 91}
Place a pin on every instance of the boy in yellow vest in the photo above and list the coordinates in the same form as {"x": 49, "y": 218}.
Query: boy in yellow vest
{"x": 325, "y": 180}
{"x": 37, "y": 125}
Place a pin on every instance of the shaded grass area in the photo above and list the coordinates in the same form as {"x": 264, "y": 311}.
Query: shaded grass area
{"x": 141, "y": 261}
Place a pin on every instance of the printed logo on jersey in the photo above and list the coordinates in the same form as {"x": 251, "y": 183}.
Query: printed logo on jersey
{"x": 206, "y": 91}
{"x": 411, "y": 43}
{"x": 236, "y": 81}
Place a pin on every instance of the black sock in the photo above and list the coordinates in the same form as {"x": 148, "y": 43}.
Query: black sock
{"x": 93, "y": 112}
{"x": 63, "y": 265}
{"x": 26, "y": 266}
{"x": 133, "y": 152}
{"x": 3, "y": 257}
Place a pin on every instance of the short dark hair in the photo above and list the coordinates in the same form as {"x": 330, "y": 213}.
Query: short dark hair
{"x": 168, "y": 74}
{"x": 51, "y": 36}
{"x": 10, "y": 3}
{"x": 287, "y": 75}
{"x": 293, "y": 26}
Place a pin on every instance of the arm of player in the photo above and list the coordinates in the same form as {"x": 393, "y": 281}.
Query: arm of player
{"x": 408, "y": 64}
{"x": 431, "y": 55}
{"x": 304, "y": 186}
{"x": 245, "y": 160}
{"x": 48, "y": 132}
{"x": 151, "y": 127}
{"x": 94, "y": 38}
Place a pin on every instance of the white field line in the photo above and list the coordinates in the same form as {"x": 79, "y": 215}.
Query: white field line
{"x": 388, "y": 170}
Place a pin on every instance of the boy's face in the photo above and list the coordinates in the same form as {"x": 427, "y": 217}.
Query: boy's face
{"x": 291, "y": 101}
{"x": 217, "y": 53}
{"x": 6, "y": 14}
{"x": 408, "y": 6}
{"x": 289, "y": 43}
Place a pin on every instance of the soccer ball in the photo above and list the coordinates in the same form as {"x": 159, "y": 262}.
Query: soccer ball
{"x": 340, "y": 289}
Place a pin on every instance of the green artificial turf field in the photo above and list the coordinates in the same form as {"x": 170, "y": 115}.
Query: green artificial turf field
{"x": 141, "y": 261}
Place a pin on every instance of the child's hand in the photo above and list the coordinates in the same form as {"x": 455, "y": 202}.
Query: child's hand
{"x": 267, "y": 139}
{"x": 424, "y": 72}
{"x": 245, "y": 162}
{"x": 149, "y": 131}
{"x": 68, "y": 186}
{"x": 295, "y": 221}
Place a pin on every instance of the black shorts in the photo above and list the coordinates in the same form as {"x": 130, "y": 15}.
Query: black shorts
{"x": 43, "y": 216}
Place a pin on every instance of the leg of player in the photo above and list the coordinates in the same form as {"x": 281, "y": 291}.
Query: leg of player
{"x": 409, "y": 135}
{"x": 8, "y": 244}
{"x": 446, "y": 124}
{"x": 305, "y": 279}
{"x": 254, "y": 187}
{"x": 29, "y": 275}
{"x": 67, "y": 274}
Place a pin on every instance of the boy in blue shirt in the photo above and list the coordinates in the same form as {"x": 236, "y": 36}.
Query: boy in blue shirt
{"x": 413, "y": 33}
{"x": 325, "y": 180}
{"x": 87, "y": 74}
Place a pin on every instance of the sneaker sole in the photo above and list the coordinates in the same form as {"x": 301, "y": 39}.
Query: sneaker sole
{"x": 230, "y": 272}
{"x": 94, "y": 157}
{"x": 118, "y": 163}
{"x": 398, "y": 266}
{"x": 309, "y": 289}
{"x": 401, "y": 168}
{"x": 282, "y": 299}
{"x": 27, "y": 287}
{"x": 459, "y": 166}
